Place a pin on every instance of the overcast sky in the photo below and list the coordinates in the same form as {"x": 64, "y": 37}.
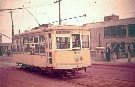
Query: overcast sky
{"x": 46, "y": 11}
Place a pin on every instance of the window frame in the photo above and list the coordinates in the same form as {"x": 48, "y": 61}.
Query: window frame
{"x": 115, "y": 31}
{"x": 63, "y": 36}
{"x": 71, "y": 44}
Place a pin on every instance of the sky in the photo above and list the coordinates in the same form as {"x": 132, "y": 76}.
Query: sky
{"x": 46, "y": 11}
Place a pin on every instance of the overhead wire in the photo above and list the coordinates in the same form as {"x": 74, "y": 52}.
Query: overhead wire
{"x": 46, "y": 3}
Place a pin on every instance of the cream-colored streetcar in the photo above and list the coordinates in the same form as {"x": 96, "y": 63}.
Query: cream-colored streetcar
{"x": 61, "y": 50}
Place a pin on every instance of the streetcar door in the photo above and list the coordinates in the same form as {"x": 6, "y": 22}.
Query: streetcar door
{"x": 48, "y": 48}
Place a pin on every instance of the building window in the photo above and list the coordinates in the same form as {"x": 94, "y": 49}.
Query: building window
{"x": 131, "y": 30}
{"x": 115, "y": 31}
{"x": 134, "y": 47}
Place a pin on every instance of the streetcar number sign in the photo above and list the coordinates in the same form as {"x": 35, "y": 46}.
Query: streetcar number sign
{"x": 62, "y": 32}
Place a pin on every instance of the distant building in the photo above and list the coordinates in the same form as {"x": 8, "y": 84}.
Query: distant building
{"x": 112, "y": 17}
{"x": 111, "y": 31}
{"x": 0, "y": 38}
{"x": 4, "y": 46}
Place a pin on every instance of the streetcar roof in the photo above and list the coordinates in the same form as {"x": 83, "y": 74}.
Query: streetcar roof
{"x": 69, "y": 27}
{"x": 30, "y": 33}
{"x": 41, "y": 31}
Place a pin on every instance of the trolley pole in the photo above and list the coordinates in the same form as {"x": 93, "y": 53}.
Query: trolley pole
{"x": 12, "y": 25}
{"x": 59, "y": 11}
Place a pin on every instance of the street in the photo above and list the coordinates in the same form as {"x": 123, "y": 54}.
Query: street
{"x": 98, "y": 75}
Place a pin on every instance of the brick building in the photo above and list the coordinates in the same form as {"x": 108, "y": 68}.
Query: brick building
{"x": 111, "y": 31}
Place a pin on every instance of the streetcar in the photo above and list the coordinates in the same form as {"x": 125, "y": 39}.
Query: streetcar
{"x": 59, "y": 49}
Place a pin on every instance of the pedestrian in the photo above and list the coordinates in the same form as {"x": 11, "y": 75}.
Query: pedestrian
{"x": 8, "y": 53}
{"x": 108, "y": 53}
{"x": 0, "y": 52}
{"x": 3, "y": 52}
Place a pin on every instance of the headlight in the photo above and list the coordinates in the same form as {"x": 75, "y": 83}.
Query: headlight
{"x": 76, "y": 58}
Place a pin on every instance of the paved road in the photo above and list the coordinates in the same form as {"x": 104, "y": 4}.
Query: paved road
{"x": 6, "y": 61}
{"x": 98, "y": 75}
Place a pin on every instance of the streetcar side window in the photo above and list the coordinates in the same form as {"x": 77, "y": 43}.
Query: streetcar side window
{"x": 85, "y": 41}
{"x": 36, "y": 39}
{"x": 17, "y": 41}
{"x": 24, "y": 40}
{"x": 14, "y": 49}
{"x": 29, "y": 45}
{"x": 30, "y": 40}
{"x": 36, "y": 48}
{"x": 27, "y": 48}
{"x": 41, "y": 38}
{"x": 42, "y": 48}
{"x": 63, "y": 42}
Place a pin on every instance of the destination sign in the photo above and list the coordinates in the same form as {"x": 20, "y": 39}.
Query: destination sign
{"x": 62, "y": 32}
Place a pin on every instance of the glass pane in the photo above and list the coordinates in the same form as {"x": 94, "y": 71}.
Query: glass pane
{"x": 76, "y": 40}
{"x": 24, "y": 40}
{"x": 27, "y": 48}
{"x": 63, "y": 42}
{"x": 36, "y": 48}
{"x": 14, "y": 48}
{"x": 30, "y": 40}
{"x": 35, "y": 39}
{"x": 18, "y": 48}
{"x": 17, "y": 41}
{"x": 41, "y": 38}
{"x": 85, "y": 41}
{"x": 131, "y": 30}
{"x": 42, "y": 48}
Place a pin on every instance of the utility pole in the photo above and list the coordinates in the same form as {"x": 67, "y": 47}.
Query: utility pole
{"x": 12, "y": 25}
{"x": 59, "y": 11}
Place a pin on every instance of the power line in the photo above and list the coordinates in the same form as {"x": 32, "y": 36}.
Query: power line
{"x": 32, "y": 16}
{"x": 39, "y": 5}
{"x": 84, "y": 15}
{"x": 5, "y": 36}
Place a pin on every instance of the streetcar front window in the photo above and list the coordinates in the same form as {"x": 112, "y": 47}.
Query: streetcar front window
{"x": 63, "y": 42}
{"x": 75, "y": 40}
